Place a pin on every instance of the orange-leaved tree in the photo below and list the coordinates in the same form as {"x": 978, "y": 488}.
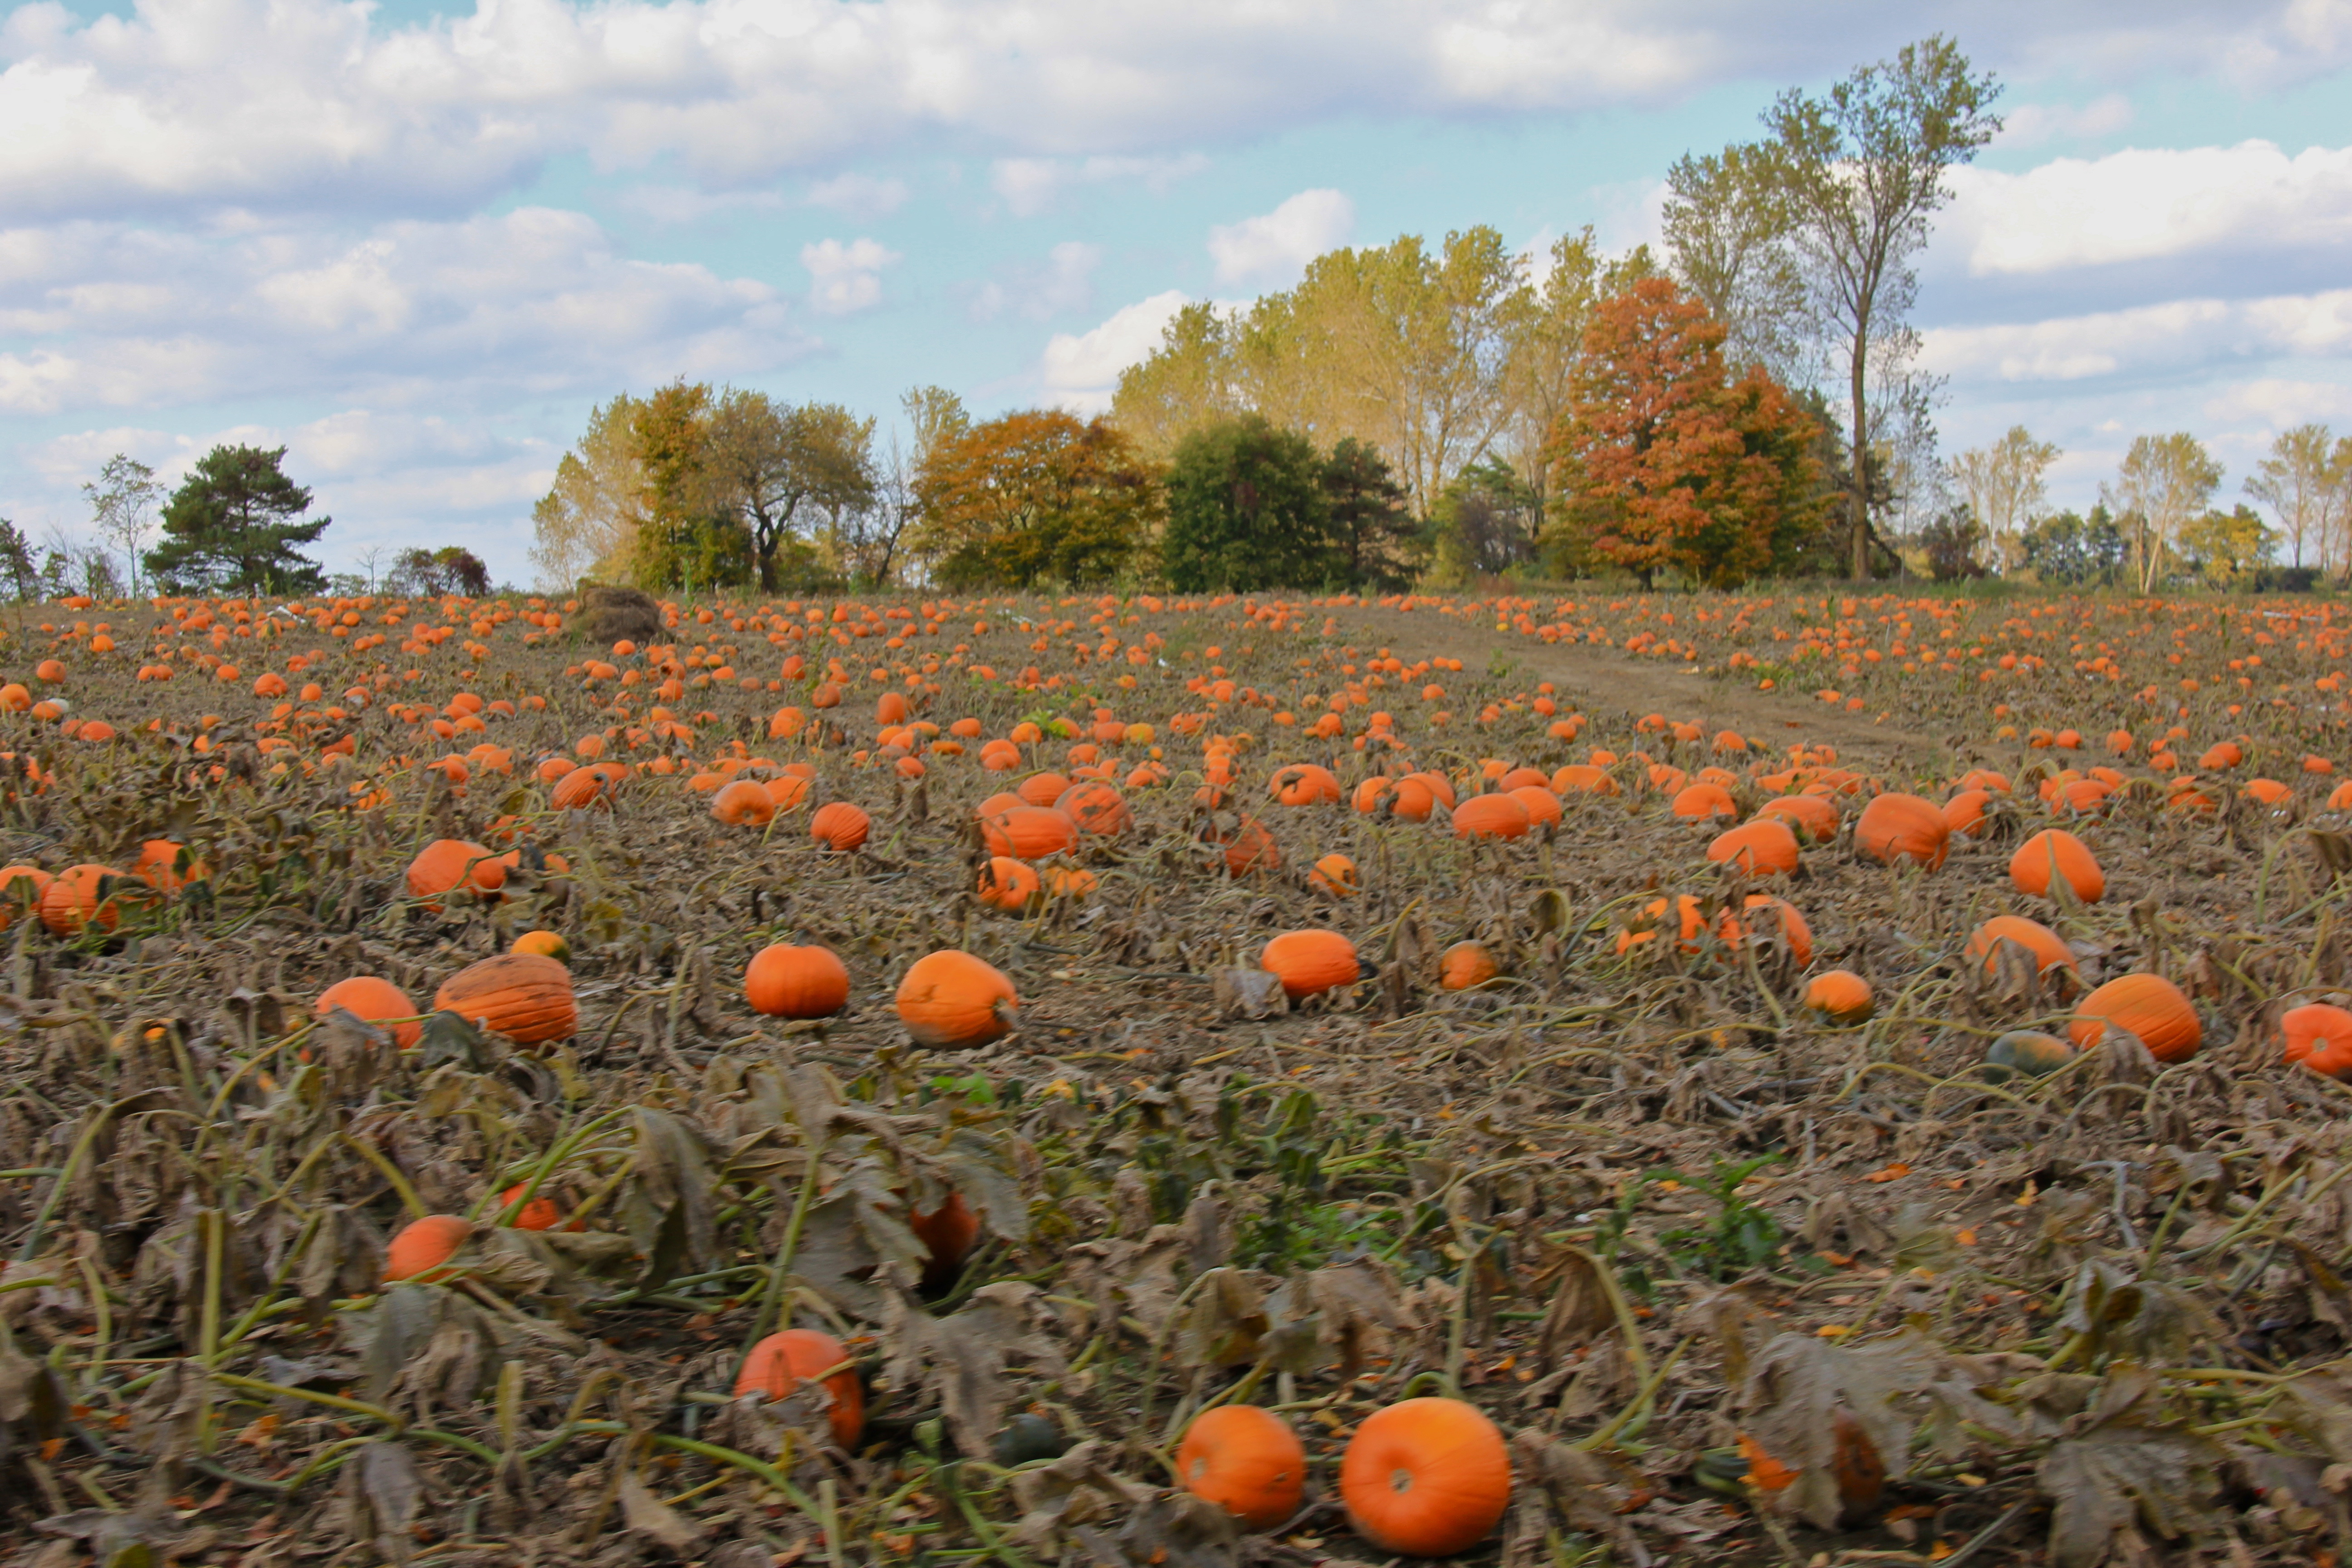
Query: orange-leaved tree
{"x": 1035, "y": 496}
{"x": 1667, "y": 462}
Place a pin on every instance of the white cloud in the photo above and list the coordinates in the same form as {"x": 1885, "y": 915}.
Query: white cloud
{"x": 1062, "y": 282}
{"x": 1031, "y": 186}
{"x": 2144, "y": 204}
{"x": 2176, "y": 335}
{"x": 1275, "y": 247}
{"x": 529, "y": 302}
{"x": 2030, "y": 124}
{"x": 2277, "y": 403}
{"x": 673, "y": 204}
{"x": 1080, "y": 370}
{"x": 862, "y": 198}
{"x": 848, "y": 277}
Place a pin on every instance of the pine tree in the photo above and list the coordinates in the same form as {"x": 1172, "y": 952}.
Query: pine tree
{"x": 233, "y": 525}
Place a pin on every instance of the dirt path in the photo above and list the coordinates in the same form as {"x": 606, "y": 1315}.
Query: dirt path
{"x": 1603, "y": 679}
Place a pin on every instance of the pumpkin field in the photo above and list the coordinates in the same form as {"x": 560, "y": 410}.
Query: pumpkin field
{"x": 1582, "y": 1078}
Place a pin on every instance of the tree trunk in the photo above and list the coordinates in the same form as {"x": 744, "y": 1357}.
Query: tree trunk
{"x": 1860, "y": 453}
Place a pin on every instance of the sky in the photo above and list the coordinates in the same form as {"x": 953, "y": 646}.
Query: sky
{"x": 416, "y": 245}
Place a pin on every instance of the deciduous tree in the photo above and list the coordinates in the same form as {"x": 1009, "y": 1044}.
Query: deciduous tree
{"x": 122, "y": 508}
{"x": 1034, "y": 496}
{"x": 2003, "y": 486}
{"x": 2164, "y": 482}
{"x": 2306, "y": 481}
{"x": 587, "y": 524}
{"x": 233, "y": 526}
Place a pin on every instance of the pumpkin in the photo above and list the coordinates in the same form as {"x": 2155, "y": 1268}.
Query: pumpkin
{"x": 1840, "y": 994}
{"x": 582, "y": 788}
{"x": 1466, "y": 964}
{"x": 1070, "y": 882}
{"x": 1010, "y": 885}
{"x": 1304, "y": 784}
{"x": 839, "y": 825}
{"x": 1491, "y": 817}
{"x": 523, "y": 996}
{"x": 539, "y": 1214}
{"x": 1311, "y": 961}
{"x": 1248, "y": 847}
{"x": 778, "y": 1364}
{"x": 1543, "y": 806}
{"x": 1336, "y": 875}
{"x": 787, "y": 982}
{"x": 2048, "y": 949}
{"x": 2148, "y": 1006}
{"x": 1029, "y": 832}
{"x": 2053, "y": 855}
{"x": 158, "y": 865}
{"x": 1247, "y": 1461}
{"x": 421, "y": 1248}
{"x": 21, "y": 888}
{"x": 1902, "y": 827}
{"x": 1964, "y": 813}
{"x": 2269, "y": 791}
{"x": 71, "y": 901}
{"x": 1763, "y": 909}
{"x": 1427, "y": 1478}
{"x": 2217, "y": 758}
{"x": 1439, "y": 786}
{"x": 2027, "y": 1052}
{"x": 1809, "y": 815}
{"x": 2319, "y": 1036}
{"x": 947, "y": 1233}
{"x": 447, "y": 863}
{"x": 1643, "y": 927}
{"x": 1760, "y": 847}
{"x": 1043, "y": 789}
{"x": 1096, "y": 807}
{"x": 950, "y": 1000}
{"x": 745, "y": 802}
{"x": 1581, "y": 778}
{"x": 1703, "y": 799}
{"x": 546, "y": 944}
{"x": 374, "y": 1001}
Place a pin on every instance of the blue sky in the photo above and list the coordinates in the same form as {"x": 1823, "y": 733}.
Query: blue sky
{"x": 416, "y": 245}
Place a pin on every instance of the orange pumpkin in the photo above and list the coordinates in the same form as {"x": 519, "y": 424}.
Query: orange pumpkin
{"x": 1491, "y": 817}
{"x": 2053, "y": 855}
{"x": 1965, "y": 811}
{"x": 787, "y": 982}
{"x": 2048, "y": 949}
{"x": 374, "y": 1001}
{"x": 1096, "y": 807}
{"x": 2148, "y": 1006}
{"x": 447, "y": 863}
{"x": 1247, "y": 1461}
{"x": 2027, "y": 1052}
{"x": 158, "y": 865}
{"x": 950, "y": 1000}
{"x": 1466, "y": 964}
{"x": 779, "y": 1363}
{"x": 1248, "y": 847}
{"x": 546, "y": 944}
{"x": 947, "y": 1233}
{"x": 1764, "y": 909}
{"x": 1904, "y": 827}
{"x": 421, "y": 1248}
{"x": 582, "y": 788}
{"x": 1029, "y": 832}
{"x": 21, "y": 888}
{"x": 1336, "y": 875}
{"x": 1043, "y": 789}
{"x": 1809, "y": 815}
{"x": 1311, "y": 961}
{"x": 2319, "y": 1036}
{"x": 539, "y": 1214}
{"x": 1304, "y": 784}
{"x": 1840, "y": 994}
{"x": 1427, "y": 1478}
{"x": 1581, "y": 778}
{"x": 840, "y": 827}
{"x": 1760, "y": 847}
{"x": 522, "y": 995}
{"x": 71, "y": 902}
{"x": 1543, "y": 806}
{"x": 1703, "y": 799}
{"x": 745, "y": 802}
{"x": 1010, "y": 885}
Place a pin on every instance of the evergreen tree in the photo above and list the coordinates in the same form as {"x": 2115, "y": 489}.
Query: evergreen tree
{"x": 1246, "y": 510}
{"x": 233, "y": 525}
{"x": 1370, "y": 521}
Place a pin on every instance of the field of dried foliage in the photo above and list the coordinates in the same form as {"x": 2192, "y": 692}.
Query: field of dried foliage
{"x": 1745, "y": 1268}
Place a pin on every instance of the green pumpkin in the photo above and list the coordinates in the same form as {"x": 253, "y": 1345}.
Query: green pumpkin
{"x": 2027, "y": 1053}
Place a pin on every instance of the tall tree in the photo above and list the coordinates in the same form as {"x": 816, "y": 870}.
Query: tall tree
{"x": 1246, "y": 510}
{"x": 434, "y": 574}
{"x": 587, "y": 524}
{"x": 1034, "y": 496}
{"x": 2004, "y": 486}
{"x": 2224, "y": 548}
{"x": 772, "y": 460}
{"x": 692, "y": 531}
{"x": 2164, "y": 483}
{"x": 2305, "y": 481}
{"x": 233, "y": 527}
{"x": 1727, "y": 228}
{"x": 122, "y": 508}
{"x": 17, "y": 571}
{"x": 1370, "y": 521}
{"x": 1669, "y": 464}
{"x": 1863, "y": 171}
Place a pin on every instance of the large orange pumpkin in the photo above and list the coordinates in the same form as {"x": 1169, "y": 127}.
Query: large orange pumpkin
{"x": 374, "y": 1001}
{"x": 840, "y": 825}
{"x": 1428, "y": 1477}
{"x": 1809, "y": 815}
{"x": 2148, "y": 1006}
{"x": 2053, "y": 855}
{"x": 1247, "y": 1461}
{"x": 1491, "y": 816}
{"x": 446, "y": 863}
{"x": 2319, "y": 1036}
{"x": 950, "y": 1000}
{"x": 787, "y": 982}
{"x": 1304, "y": 784}
{"x": 1762, "y": 846}
{"x": 778, "y": 1364}
{"x": 1010, "y": 885}
{"x": 1310, "y": 961}
{"x": 1029, "y": 832}
{"x": 1096, "y": 807}
{"x": 522, "y": 995}
{"x": 745, "y": 802}
{"x": 1841, "y": 994}
{"x": 2049, "y": 949}
{"x": 1904, "y": 827}
{"x": 70, "y": 901}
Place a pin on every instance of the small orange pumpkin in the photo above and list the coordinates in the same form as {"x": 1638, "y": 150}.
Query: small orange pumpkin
{"x": 950, "y": 1000}
{"x": 20, "y": 890}
{"x": 2148, "y": 1006}
{"x": 840, "y": 827}
{"x": 1029, "y": 832}
{"x": 787, "y": 982}
{"x": 1311, "y": 961}
{"x": 1428, "y": 1477}
{"x": 539, "y": 1214}
{"x": 1013, "y": 886}
{"x": 1304, "y": 784}
{"x": 525, "y": 996}
{"x": 421, "y": 1248}
{"x": 778, "y": 1364}
{"x": 1336, "y": 875}
{"x": 447, "y": 863}
{"x": 947, "y": 1233}
{"x": 1841, "y": 994}
{"x": 1096, "y": 807}
{"x": 2048, "y": 948}
{"x": 375, "y": 1001}
{"x": 1246, "y": 1460}
{"x": 2319, "y": 1036}
{"x": 1464, "y": 965}
{"x": 546, "y": 944}
{"x": 745, "y": 802}
{"x": 2053, "y": 855}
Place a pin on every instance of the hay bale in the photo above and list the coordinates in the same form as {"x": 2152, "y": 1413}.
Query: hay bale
{"x": 610, "y": 613}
